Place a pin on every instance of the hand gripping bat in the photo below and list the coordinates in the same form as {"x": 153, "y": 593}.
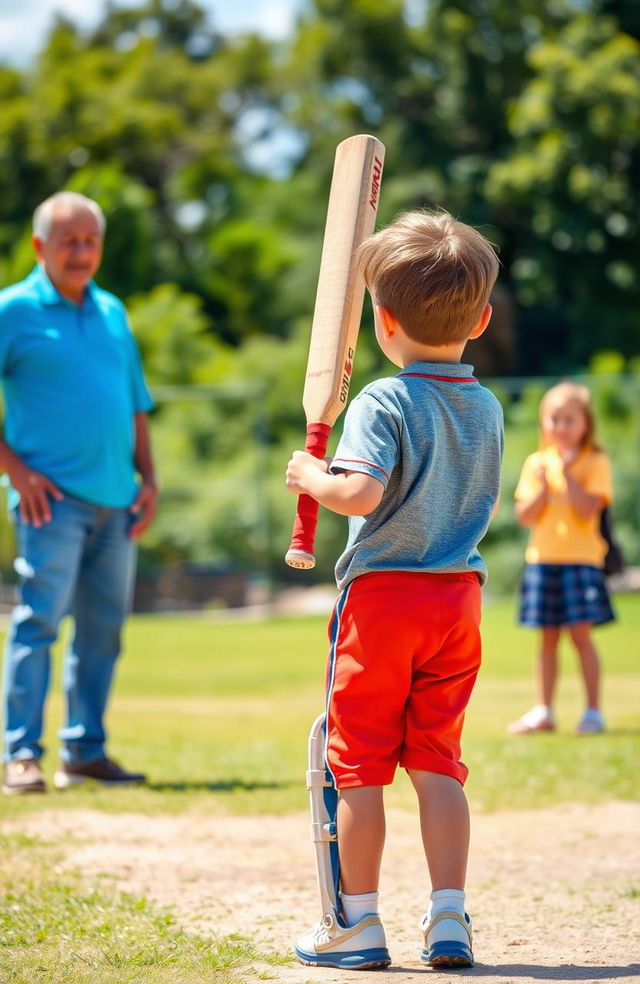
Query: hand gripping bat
{"x": 351, "y": 215}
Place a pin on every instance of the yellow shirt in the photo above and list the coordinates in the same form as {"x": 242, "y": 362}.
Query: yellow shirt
{"x": 559, "y": 535}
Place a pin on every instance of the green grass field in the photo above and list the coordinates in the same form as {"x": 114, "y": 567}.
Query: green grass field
{"x": 217, "y": 712}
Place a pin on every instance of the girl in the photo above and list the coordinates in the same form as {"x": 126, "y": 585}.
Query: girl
{"x": 562, "y": 490}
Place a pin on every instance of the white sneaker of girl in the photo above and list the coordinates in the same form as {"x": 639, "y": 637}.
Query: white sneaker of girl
{"x": 539, "y": 718}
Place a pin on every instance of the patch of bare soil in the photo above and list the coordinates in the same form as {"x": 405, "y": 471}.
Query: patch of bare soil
{"x": 555, "y": 893}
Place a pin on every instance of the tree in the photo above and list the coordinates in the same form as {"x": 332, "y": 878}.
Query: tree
{"x": 570, "y": 188}
{"x": 135, "y": 115}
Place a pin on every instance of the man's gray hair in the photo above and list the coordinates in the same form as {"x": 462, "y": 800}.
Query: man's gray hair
{"x": 71, "y": 200}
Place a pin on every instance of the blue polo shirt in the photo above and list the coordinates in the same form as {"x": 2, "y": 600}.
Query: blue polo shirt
{"x": 72, "y": 381}
{"x": 433, "y": 437}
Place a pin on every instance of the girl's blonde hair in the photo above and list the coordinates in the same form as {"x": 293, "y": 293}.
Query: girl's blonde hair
{"x": 570, "y": 393}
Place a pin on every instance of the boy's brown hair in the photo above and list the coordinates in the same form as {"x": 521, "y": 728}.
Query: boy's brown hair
{"x": 433, "y": 273}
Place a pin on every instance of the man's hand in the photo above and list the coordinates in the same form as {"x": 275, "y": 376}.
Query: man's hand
{"x": 35, "y": 492}
{"x": 300, "y": 468}
{"x": 144, "y": 506}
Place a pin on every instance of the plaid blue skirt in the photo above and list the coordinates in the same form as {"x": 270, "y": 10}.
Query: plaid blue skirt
{"x": 563, "y": 594}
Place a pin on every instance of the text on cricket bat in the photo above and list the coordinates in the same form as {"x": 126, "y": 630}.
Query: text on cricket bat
{"x": 375, "y": 182}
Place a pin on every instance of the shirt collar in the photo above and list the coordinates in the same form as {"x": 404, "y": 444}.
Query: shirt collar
{"x": 452, "y": 370}
{"x": 49, "y": 295}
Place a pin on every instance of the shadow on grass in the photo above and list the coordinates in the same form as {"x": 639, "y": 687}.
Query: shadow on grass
{"x": 226, "y": 786}
{"x": 566, "y": 972}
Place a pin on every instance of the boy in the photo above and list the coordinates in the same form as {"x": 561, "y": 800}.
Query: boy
{"x": 417, "y": 472}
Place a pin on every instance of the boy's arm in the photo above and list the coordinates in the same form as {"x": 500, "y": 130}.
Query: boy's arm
{"x": 348, "y": 493}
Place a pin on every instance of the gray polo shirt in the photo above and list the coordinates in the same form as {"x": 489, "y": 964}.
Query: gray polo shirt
{"x": 433, "y": 436}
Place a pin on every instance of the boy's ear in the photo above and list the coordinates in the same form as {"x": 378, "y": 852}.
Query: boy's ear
{"x": 482, "y": 324}
{"x": 388, "y": 321}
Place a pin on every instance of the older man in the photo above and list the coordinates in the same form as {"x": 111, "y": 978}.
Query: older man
{"x": 81, "y": 490}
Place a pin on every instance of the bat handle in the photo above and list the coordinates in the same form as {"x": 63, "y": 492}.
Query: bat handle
{"x": 300, "y": 552}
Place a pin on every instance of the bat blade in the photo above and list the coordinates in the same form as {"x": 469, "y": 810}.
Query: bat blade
{"x": 351, "y": 215}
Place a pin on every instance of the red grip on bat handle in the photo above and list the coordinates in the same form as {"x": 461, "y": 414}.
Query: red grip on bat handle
{"x": 300, "y": 552}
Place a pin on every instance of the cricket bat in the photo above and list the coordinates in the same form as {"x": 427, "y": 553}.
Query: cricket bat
{"x": 351, "y": 215}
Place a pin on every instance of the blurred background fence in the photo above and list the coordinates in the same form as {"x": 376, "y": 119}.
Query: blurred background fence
{"x": 224, "y": 520}
{"x": 235, "y": 517}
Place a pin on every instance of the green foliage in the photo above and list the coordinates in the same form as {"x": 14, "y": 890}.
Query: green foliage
{"x": 212, "y": 158}
{"x": 212, "y": 155}
{"x": 143, "y": 115}
{"x": 571, "y": 181}
{"x": 242, "y": 254}
{"x": 173, "y": 333}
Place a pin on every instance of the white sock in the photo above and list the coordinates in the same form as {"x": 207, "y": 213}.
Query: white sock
{"x": 357, "y": 906}
{"x": 447, "y": 898}
{"x": 448, "y": 930}
{"x": 543, "y": 711}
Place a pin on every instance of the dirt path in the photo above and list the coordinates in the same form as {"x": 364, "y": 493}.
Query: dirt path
{"x": 555, "y": 893}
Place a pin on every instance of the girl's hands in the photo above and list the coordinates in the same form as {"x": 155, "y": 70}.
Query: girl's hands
{"x": 541, "y": 475}
{"x": 568, "y": 456}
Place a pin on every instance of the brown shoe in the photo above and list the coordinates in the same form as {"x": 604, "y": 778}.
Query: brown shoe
{"x": 103, "y": 770}
{"x": 23, "y": 776}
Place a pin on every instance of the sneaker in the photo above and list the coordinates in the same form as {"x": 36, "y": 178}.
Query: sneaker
{"x": 103, "y": 770}
{"x": 356, "y": 947}
{"x": 23, "y": 776}
{"x": 539, "y": 718}
{"x": 447, "y": 940}
{"x": 591, "y": 723}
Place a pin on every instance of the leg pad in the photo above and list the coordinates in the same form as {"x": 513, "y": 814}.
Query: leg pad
{"x": 323, "y": 799}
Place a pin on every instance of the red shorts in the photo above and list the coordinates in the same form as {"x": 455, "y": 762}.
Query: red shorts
{"x": 405, "y": 653}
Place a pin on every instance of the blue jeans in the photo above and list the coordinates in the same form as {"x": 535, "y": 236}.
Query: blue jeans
{"x": 81, "y": 563}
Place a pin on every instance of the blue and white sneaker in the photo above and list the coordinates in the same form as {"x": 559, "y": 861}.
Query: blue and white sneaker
{"x": 356, "y": 947}
{"x": 448, "y": 940}
{"x": 591, "y": 723}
